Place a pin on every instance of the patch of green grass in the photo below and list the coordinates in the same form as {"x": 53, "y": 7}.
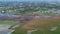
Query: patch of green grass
{"x": 18, "y": 31}
{"x": 57, "y": 23}
{"x": 7, "y": 22}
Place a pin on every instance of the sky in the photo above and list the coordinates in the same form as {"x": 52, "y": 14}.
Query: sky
{"x": 33, "y": 0}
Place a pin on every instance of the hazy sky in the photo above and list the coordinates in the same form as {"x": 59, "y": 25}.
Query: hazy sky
{"x": 30, "y": 0}
{"x": 27, "y": 0}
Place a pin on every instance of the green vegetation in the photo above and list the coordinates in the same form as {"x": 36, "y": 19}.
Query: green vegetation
{"x": 7, "y": 22}
{"x": 30, "y": 11}
{"x": 47, "y": 32}
{"x": 18, "y": 31}
{"x": 56, "y": 23}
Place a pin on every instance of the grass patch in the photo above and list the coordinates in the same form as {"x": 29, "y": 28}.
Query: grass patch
{"x": 18, "y": 31}
{"x": 7, "y": 22}
{"x": 56, "y": 23}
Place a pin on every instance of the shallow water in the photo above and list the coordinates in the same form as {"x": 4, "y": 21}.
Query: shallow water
{"x": 6, "y": 32}
{"x": 4, "y": 29}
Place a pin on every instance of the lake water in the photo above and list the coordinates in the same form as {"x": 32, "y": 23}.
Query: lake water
{"x": 4, "y": 29}
{"x": 6, "y": 32}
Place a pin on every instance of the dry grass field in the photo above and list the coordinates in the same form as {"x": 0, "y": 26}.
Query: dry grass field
{"x": 42, "y": 23}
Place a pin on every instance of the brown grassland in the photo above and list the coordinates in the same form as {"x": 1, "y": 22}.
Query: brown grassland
{"x": 41, "y": 23}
